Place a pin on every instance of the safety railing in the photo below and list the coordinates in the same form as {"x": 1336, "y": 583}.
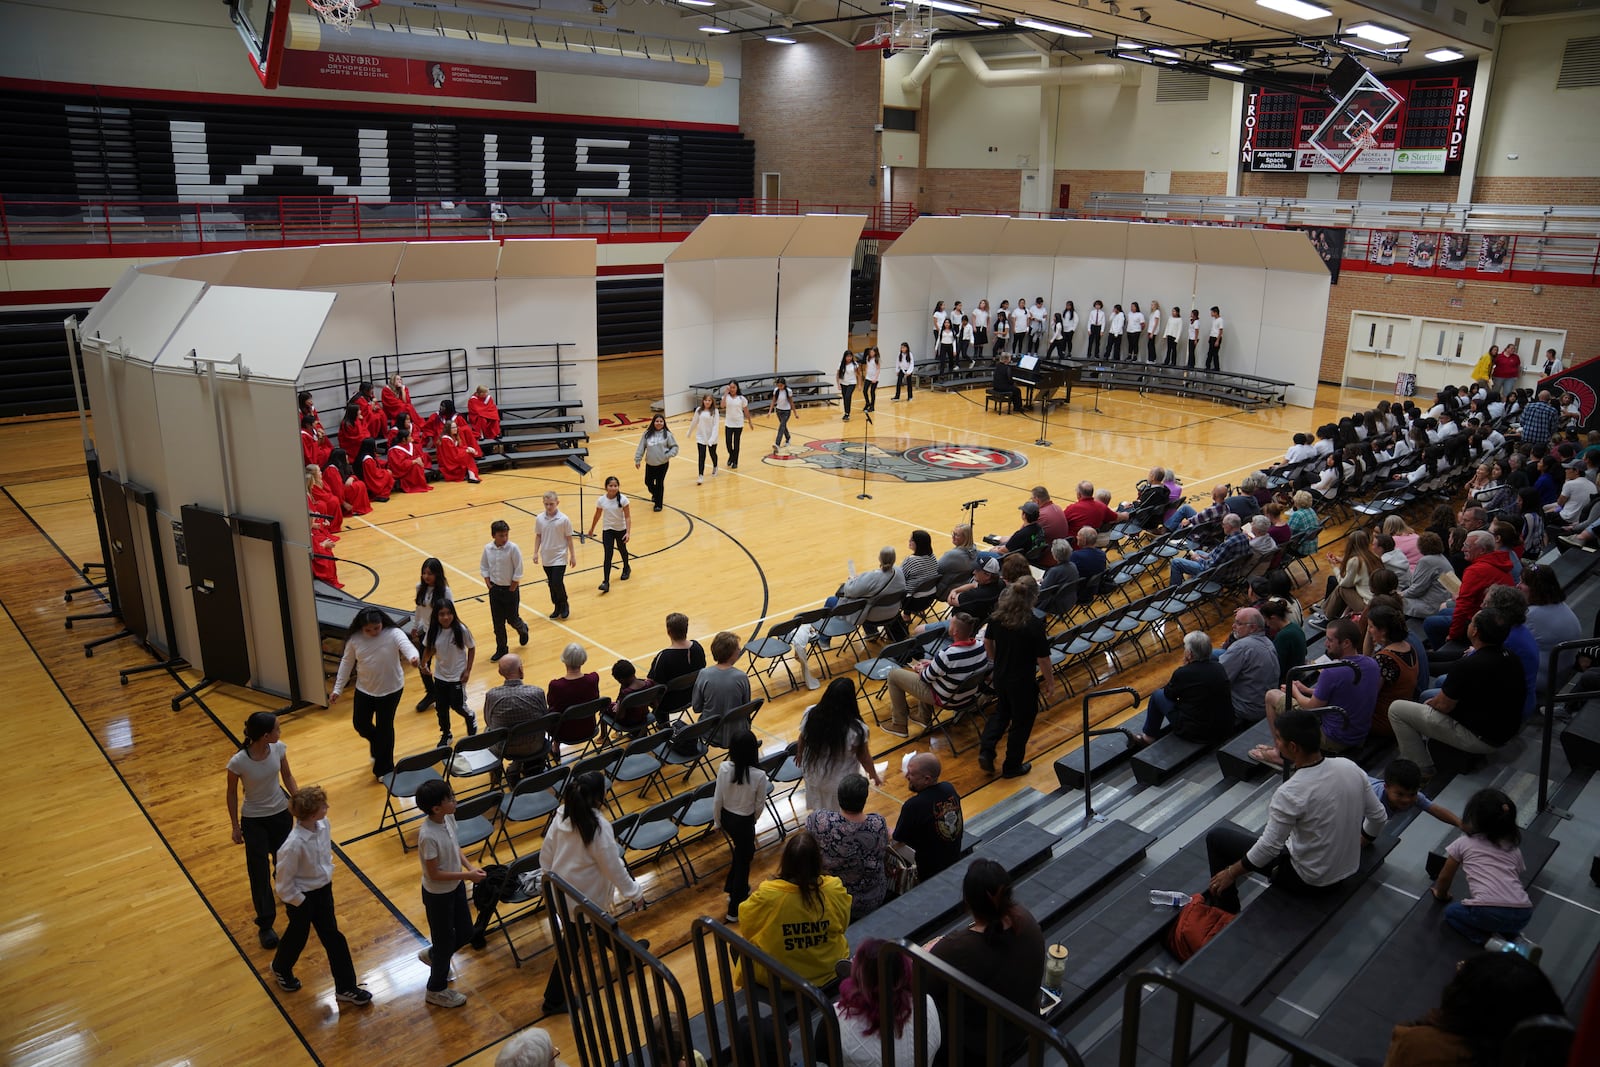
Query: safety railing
{"x": 1559, "y": 655}
{"x": 1246, "y": 1031}
{"x": 756, "y": 1001}
{"x": 30, "y": 227}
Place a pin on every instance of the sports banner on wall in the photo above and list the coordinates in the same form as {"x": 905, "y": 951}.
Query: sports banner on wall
{"x": 1583, "y": 382}
{"x": 1329, "y": 243}
{"x": 349, "y": 72}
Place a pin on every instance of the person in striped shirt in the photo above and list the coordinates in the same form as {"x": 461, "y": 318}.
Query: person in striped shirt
{"x": 934, "y": 682}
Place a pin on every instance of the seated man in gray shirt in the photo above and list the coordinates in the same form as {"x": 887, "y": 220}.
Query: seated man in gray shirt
{"x": 1315, "y": 823}
{"x": 1252, "y": 665}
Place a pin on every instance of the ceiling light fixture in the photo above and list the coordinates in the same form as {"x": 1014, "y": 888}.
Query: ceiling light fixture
{"x": 1231, "y": 68}
{"x": 1143, "y": 13}
{"x": 698, "y": 3}
{"x": 989, "y": 24}
{"x": 1370, "y": 31}
{"x": 947, "y": 5}
{"x": 1051, "y": 27}
{"x": 1166, "y": 53}
{"x": 715, "y": 29}
{"x": 1298, "y": 8}
{"x": 1135, "y": 45}
{"x": 1444, "y": 55}
{"x": 1133, "y": 56}
{"x": 780, "y": 40}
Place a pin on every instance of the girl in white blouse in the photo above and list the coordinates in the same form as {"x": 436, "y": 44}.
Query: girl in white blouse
{"x": 741, "y": 790}
{"x": 703, "y": 428}
{"x": 905, "y": 368}
{"x": 448, "y": 658}
{"x": 870, "y": 371}
{"x": 734, "y": 406}
{"x": 377, "y": 651}
{"x": 1069, "y": 326}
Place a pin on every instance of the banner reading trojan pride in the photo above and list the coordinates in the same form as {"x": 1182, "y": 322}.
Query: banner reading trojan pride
{"x": 1583, "y": 382}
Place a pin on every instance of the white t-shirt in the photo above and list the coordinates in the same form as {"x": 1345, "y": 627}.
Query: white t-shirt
{"x": 1019, "y": 319}
{"x": 1297, "y": 453}
{"x": 611, "y": 516}
{"x": 1038, "y": 313}
{"x": 553, "y": 532}
{"x": 1579, "y": 492}
{"x": 703, "y": 426}
{"x": 733, "y": 409}
{"x": 262, "y": 794}
{"x": 437, "y": 841}
{"x": 449, "y": 658}
{"x": 1194, "y": 329}
{"x": 1216, "y": 327}
{"x": 1155, "y": 322}
{"x": 1136, "y": 322}
{"x": 980, "y": 318}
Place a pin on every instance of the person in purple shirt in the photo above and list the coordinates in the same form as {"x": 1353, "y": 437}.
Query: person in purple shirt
{"x": 1343, "y": 698}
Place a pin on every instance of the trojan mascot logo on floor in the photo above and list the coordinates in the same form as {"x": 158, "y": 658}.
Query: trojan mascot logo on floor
{"x": 902, "y": 461}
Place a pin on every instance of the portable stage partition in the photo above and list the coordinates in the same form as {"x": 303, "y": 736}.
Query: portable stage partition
{"x": 192, "y": 368}
{"x": 755, "y": 294}
{"x": 1270, "y": 285}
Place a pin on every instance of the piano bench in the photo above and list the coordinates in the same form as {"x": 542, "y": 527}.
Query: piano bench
{"x": 1005, "y": 401}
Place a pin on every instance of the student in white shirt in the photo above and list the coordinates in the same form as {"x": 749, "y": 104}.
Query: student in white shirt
{"x": 1038, "y": 321}
{"x": 1119, "y": 322}
{"x": 1135, "y": 324}
{"x": 1214, "y": 341}
{"x": 980, "y": 329}
{"x": 734, "y": 407}
{"x": 447, "y": 655}
{"x": 905, "y": 372}
{"x": 1058, "y": 338}
{"x": 1576, "y": 494}
{"x": 1194, "y": 334}
{"x": 264, "y": 822}
{"x": 1069, "y": 326}
{"x": 964, "y": 341}
{"x": 445, "y": 874}
{"x": 1174, "y": 331}
{"x": 1019, "y": 323}
{"x": 1097, "y": 323}
{"x": 612, "y": 514}
{"x": 703, "y": 428}
{"x": 305, "y": 885}
{"x": 376, "y": 650}
{"x": 736, "y": 803}
{"x": 1152, "y": 331}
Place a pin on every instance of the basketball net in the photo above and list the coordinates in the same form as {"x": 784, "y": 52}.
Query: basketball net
{"x": 1363, "y": 141}
{"x": 340, "y": 13}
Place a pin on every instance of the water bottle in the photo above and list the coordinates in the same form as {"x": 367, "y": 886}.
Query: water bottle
{"x": 1055, "y": 967}
{"x": 1171, "y": 898}
{"x": 1520, "y": 945}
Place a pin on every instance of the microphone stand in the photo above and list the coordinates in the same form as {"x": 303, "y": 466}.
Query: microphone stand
{"x": 971, "y": 507}
{"x": 866, "y": 421}
{"x": 1044, "y": 418}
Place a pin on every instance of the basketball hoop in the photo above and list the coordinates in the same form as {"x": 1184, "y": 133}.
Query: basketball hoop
{"x": 339, "y": 13}
{"x": 1363, "y": 141}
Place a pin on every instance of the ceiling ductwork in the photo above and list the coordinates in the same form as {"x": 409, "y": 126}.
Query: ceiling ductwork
{"x": 987, "y": 76}
{"x": 557, "y": 55}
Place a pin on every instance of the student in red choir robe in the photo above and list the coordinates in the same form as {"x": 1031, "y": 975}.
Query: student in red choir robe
{"x": 320, "y": 500}
{"x": 447, "y": 414}
{"x": 352, "y": 490}
{"x": 371, "y": 411}
{"x": 483, "y": 414}
{"x": 379, "y": 482}
{"x": 352, "y": 430}
{"x": 314, "y": 444}
{"x": 396, "y": 398}
{"x": 410, "y": 476}
{"x": 457, "y": 461}
{"x": 323, "y": 565}
{"x": 405, "y": 427}
{"x": 308, "y": 408}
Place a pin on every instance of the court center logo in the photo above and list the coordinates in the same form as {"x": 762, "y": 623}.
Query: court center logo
{"x": 905, "y": 461}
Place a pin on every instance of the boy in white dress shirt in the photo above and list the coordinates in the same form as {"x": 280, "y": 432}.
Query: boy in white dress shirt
{"x": 304, "y": 882}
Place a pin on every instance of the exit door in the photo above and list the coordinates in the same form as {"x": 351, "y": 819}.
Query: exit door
{"x": 1065, "y": 197}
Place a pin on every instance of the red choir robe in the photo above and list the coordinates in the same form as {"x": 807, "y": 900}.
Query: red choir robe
{"x": 353, "y": 496}
{"x": 372, "y": 415}
{"x": 351, "y": 435}
{"x": 467, "y": 436}
{"x": 323, "y": 565}
{"x": 379, "y": 482}
{"x": 485, "y": 416}
{"x": 409, "y": 473}
{"x": 325, "y": 502}
{"x": 396, "y": 403}
{"x": 315, "y": 450}
{"x": 457, "y": 462}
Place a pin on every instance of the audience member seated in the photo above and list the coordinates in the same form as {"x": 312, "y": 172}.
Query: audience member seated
{"x": 855, "y": 846}
{"x": 978, "y": 597}
{"x": 1058, "y": 589}
{"x": 1303, "y": 523}
{"x": 1029, "y": 539}
{"x": 801, "y": 897}
{"x": 1277, "y": 523}
{"x": 1263, "y": 546}
{"x": 571, "y": 689}
{"x": 1196, "y": 703}
{"x": 1400, "y": 790}
{"x": 681, "y": 656}
{"x": 1087, "y": 511}
{"x": 1002, "y": 949}
{"x": 1489, "y": 853}
{"x": 1480, "y": 706}
{"x": 410, "y": 475}
{"x": 920, "y": 569}
{"x": 1486, "y": 568}
{"x": 955, "y": 566}
{"x": 378, "y": 478}
{"x": 933, "y": 682}
{"x": 483, "y": 413}
{"x": 1391, "y": 557}
{"x": 1251, "y": 663}
{"x": 509, "y": 704}
{"x": 1089, "y": 557}
{"x": 862, "y": 1016}
{"x": 1235, "y": 545}
{"x": 1399, "y": 663}
{"x": 626, "y": 675}
{"x": 1315, "y": 822}
{"x": 1051, "y": 518}
{"x": 1550, "y": 620}
{"x": 1428, "y": 588}
{"x": 931, "y": 823}
{"x": 1342, "y": 699}
{"x": 1510, "y": 603}
{"x": 721, "y": 688}
{"x": 1350, "y": 587}
{"x": 1288, "y": 639}
{"x": 1490, "y": 994}
{"x": 458, "y": 461}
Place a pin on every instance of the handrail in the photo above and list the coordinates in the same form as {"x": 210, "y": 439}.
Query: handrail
{"x": 1373, "y": 214}
{"x": 1243, "y": 1025}
{"x": 1088, "y": 803}
{"x": 720, "y": 949}
{"x": 1547, "y": 740}
{"x": 933, "y": 976}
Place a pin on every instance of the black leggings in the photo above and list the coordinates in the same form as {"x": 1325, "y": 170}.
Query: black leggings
{"x": 741, "y": 831}
{"x": 448, "y": 696}
{"x": 869, "y": 395}
{"x": 613, "y": 541}
{"x": 730, "y": 440}
{"x": 373, "y": 718}
{"x": 704, "y": 449}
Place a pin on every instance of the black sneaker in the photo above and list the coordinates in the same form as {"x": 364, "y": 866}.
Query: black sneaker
{"x": 268, "y": 937}
{"x": 522, "y": 636}
{"x": 357, "y": 996}
{"x": 445, "y": 741}
{"x": 287, "y": 982}
{"x": 1017, "y": 772}
{"x": 499, "y": 654}
{"x": 605, "y": 587}
{"x": 627, "y": 572}
{"x": 472, "y": 724}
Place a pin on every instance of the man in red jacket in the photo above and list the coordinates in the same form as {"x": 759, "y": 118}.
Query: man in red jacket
{"x": 1486, "y": 567}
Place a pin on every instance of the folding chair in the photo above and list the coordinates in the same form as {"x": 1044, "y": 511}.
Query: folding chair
{"x": 967, "y": 699}
{"x": 590, "y": 710}
{"x": 532, "y": 736}
{"x": 402, "y": 783}
{"x": 477, "y": 756}
{"x": 687, "y": 748}
{"x": 534, "y": 799}
{"x": 638, "y": 762}
{"x": 696, "y": 815}
{"x": 775, "y": 647}
{"x": 629, "y": 707}
{"x": 782, "y": 769}
{"x": 878, "y": 667}
{"x": 655, "y": 830}
{"x": 515, "y": 903}
{"x": 883, "y": 612}
{"x": 680, "y": 687}
{"x": 477, "y": 818}
{"x": 843, "y": 620}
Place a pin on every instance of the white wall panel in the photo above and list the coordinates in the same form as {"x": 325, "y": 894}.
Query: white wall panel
{"x": 813, "y": 312}
{"x": 1145, "y": 280}
{"x": 686, "y": 335}
{"x": 1293, "y": 321}
{"x": 534, "y": 311}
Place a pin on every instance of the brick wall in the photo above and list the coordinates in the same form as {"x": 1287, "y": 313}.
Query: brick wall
{"x": 1199, "y": 183}
{"x": 1575, "y": 309}
{"x": 1536, "y": 190}
{"x": 945, "y": 189}
{"x": 1253, "y": 184}
{"x": 811, "y": 109}
{"x": 1084, "y": 182}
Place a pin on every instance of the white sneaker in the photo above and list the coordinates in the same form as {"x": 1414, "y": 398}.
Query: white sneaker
{"x": 714, "y": 471}
{"x": 701, "y": 480}
{"x": 445, "y": 998}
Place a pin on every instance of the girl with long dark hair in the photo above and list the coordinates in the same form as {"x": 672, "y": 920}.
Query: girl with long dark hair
{"x": 353, "y": 496}
{"x": 655, "y": 451}
{"x": 263, "y": 822}
{"x": 378, "y": 479}
{"x": 800, "y": 897}
{"x": 736, "y": 803}
{"x": 447, "y": 659}
{"x": 377, "y": 651}
{"x": 432, "y": 590}
{"x": 832, "y": 743}
{"x": 613, "y": 515}
{"x": 1489, "y": 848}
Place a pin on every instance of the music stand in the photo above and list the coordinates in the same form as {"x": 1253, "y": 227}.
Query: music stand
{"x": 971, "y": 508}
{"x": 581, "y": 468}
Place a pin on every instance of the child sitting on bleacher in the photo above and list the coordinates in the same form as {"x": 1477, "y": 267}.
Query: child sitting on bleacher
{"x": 1400, "y": 790}
{"x": 1489, "y": 849}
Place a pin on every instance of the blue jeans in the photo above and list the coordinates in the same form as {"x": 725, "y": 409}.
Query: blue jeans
{"x": 1478, "y": 923}
{"x": 1158, "y": 711}
{"x": 1175, "y": 520}
{"x": 1437, "y": 626}
{"x": 1183, "y": 569}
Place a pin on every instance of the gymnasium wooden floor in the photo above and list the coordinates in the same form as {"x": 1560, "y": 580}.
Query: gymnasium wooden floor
{"x": 127, "y": 933}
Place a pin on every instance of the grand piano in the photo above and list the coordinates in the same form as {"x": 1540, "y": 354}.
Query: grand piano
{"x": 1045, "y": 380}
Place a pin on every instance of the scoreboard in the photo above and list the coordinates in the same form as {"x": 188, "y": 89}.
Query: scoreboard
{"x": 1425, "y": 135}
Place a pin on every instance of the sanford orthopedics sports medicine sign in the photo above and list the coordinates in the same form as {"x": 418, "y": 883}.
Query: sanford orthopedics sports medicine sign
{"x": 1425, "y": 134}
